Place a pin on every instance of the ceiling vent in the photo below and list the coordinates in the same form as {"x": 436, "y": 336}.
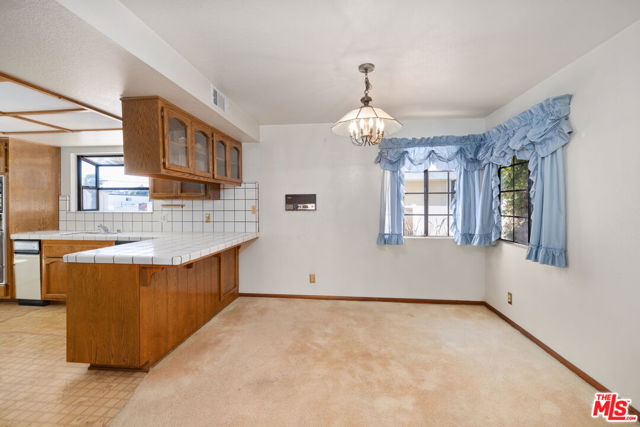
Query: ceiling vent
{"x": 218, "y": 99}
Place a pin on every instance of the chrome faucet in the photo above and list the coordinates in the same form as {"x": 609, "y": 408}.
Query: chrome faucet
{"x": 103, "y": 228}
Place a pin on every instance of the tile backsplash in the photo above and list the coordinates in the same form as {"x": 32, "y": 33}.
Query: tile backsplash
{"x": 233, "y": 212}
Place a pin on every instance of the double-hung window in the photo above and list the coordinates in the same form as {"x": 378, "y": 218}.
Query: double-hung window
{"x": 427, "y": 203}
{"x": 103, "y": 186}
{"x": 515, "y": 209}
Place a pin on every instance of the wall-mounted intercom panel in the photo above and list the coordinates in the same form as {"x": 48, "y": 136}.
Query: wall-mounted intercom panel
{"x": 300, "y": 202}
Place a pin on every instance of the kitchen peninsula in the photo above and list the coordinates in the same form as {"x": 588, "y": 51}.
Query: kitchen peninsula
{"x": 128, "y": 305}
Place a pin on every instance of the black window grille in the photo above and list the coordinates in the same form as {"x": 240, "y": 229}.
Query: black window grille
{"x": 515, "y": 206}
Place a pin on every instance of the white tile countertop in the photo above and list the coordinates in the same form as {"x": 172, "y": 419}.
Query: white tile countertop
{"x": 89, "y": 235}
{"x": 146, "y": 248}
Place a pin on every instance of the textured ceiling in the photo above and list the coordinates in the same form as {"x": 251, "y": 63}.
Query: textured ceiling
{"x": 295, "y": 61}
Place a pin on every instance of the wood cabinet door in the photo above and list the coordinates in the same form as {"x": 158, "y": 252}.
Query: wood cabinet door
{"x": 191, "y": 190}
{"x": 4, "y": 156}
{"x": 213, "y": 192}
{"x": 221, "y": 150}
{"x": 54, "y": 279}
{"x": 202, "y": 150}
{"x": 178, "y": 143}
{"x": 160, "y": 189}
{"x": 235, "y": 162}
{"x": 228, "y": 273}
{"x": 163, "y": 189}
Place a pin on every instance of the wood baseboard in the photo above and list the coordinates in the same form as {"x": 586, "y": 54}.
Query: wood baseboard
{"x": 377, "y": 299}
{"x": 573, "y": 368}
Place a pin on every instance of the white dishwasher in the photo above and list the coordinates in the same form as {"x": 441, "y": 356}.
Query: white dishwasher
{"x": 26, "y": 268}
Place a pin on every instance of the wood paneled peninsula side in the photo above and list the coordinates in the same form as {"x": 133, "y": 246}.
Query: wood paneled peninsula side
{"x": 129, "y": 305}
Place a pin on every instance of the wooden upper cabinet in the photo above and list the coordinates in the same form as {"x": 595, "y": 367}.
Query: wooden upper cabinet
{"x": 228, "y": 156}
{"x": 222, "y": 165}
{"x": 202, "y": 150}
{"x": 163, "y": 141}
{"x": 178, "y": 143}
{"x": 235, "y": 162}
{"x": 162, "y": 189}
{"x": 192, "y": 189}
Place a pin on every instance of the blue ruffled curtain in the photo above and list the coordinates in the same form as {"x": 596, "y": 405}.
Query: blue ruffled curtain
{"x": 548, "y": 218}
{"x": 474, "y": 215}
{"x": 537, "y": 135}
{"x": 391, "y": 208}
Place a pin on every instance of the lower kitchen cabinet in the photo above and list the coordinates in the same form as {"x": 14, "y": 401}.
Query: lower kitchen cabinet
{"x": 229, "y": 274}
{"x": 54, "y": 279}
{"x": 130, "y": 316}
{"x": 55, "y": 273}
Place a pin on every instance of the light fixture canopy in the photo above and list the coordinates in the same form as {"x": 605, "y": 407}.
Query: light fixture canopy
{"x": 366, "y": 125}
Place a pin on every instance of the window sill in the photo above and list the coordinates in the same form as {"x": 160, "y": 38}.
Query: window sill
{"x": 517, "y": 245}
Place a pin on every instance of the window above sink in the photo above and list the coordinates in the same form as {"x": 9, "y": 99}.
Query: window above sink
{"x": 103, "y": 186}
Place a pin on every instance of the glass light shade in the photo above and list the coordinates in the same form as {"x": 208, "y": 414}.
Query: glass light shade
{"x": 366, "y": 125}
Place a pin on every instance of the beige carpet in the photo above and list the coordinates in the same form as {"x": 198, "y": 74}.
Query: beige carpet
{"x": 303, "y": 362}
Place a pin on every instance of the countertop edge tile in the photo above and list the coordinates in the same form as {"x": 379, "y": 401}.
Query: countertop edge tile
{"x": 145, "y": 248}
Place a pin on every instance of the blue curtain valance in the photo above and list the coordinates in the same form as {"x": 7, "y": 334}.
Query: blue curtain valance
{"x": 542, "y": 129}
{"x": 537, "y": 134}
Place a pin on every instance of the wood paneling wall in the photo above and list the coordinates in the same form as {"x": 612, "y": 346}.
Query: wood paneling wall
{"x": 32, "y": 190}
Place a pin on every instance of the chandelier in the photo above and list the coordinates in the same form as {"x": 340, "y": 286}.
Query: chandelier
{"x": 366, "y": 125}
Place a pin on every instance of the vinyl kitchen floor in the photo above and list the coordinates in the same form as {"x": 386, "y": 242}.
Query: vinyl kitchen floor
{"x": 38, "y": 386}
{"x": 286, "y": 362}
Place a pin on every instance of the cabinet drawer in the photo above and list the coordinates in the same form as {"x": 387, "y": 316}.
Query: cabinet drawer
{"x": 59, "y": 248}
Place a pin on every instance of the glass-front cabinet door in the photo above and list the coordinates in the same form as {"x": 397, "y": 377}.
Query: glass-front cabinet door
{"x": 222, "y": 148}
{"x": 162, "y": 188}
{"x": 177, "y": 141}
{"x": 192, "y": 189}
{"x": 203, "y": 164}
{"x": 236, "y": 162}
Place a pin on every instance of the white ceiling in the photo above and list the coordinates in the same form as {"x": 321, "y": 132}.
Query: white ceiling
{"x": 295, "y": 61}
{"x": 44, "y": 43}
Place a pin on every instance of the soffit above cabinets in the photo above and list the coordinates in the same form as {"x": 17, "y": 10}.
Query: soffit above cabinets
{"x": 29, "y": 109}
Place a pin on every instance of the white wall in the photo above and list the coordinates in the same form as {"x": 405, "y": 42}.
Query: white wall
{"x": 589, "y": 311}
{"x": 338, "y": 241}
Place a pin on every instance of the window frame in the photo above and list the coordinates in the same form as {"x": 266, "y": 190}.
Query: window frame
{"x": 97, "y": 188}
{"x": 515, "y": 162}
{"x": 425, "y": 215}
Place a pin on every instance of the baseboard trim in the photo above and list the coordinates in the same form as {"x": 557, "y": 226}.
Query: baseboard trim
{"x": 377, "y": 299}
{"x": 573, "y": 368}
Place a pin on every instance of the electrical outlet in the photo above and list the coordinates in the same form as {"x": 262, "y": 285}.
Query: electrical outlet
{"x": 254, "y": 209}
{"x": 509, "y": 298}
{"x": 207, "y": 217}
{"x": 312, "y": 278}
